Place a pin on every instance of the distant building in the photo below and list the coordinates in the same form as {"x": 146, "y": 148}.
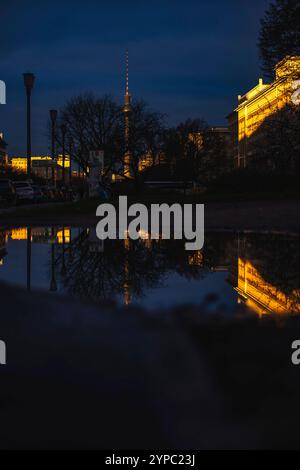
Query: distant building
{"x": 222, "y": 133}
{"x": 42, "y": 166}
{"x": 258, "y": 104}
{"x": 3, "y": 152}
{"x": 149, "y": 160}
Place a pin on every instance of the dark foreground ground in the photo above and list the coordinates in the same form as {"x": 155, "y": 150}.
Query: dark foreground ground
{"x": 90, "y": 376}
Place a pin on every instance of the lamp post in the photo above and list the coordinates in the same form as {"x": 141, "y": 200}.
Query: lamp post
{"x": 28, "y": 82}
{"x": 53, "y": 283}
{"x": 63, "y": 129}
{"x": 53, "y": 117}
{"x": 63, "y": 271}
{"x": 29, "y": 258}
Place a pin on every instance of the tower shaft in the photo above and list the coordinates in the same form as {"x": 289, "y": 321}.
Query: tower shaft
{"x": 127, "y": 111}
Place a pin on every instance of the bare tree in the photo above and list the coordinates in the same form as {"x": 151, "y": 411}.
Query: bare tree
{"x": 216, "y": 159}
{"x": 279, "y": 34}
{"x": 276, "y": 145}
{"x": 99, "y": 124}
{"x": 92, "y": 124}
{"x": 183, "y": 146}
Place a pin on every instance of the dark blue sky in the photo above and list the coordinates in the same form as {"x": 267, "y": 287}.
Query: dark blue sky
{"x": 188, "y": 58}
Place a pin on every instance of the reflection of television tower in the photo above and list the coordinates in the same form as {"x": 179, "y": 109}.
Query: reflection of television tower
{"x": 127, "y": 111}
{"x": 126, "y": 283}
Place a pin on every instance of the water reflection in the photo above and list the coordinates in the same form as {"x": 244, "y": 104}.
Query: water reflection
{"x": 266, "y": 273}
{"x": 261, "y": 271}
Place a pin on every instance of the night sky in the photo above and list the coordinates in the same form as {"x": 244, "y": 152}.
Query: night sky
{"x": 188, "y": 58}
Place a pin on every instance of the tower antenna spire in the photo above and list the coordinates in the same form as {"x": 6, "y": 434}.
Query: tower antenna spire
{"x": 127, "y": 110}
{"x": 127, "y": 73}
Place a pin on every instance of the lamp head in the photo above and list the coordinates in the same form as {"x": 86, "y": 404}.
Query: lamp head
{"x": 28, "y": 81}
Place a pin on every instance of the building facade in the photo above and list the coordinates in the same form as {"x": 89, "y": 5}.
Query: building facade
{"x": 258, "y": 104}
{"x": 41, "y": 166}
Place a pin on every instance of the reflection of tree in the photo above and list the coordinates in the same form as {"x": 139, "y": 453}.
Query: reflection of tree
{"x": 128, "y": 268}
{"x": 3, "y": 237}
{"x": 132, "y": 266}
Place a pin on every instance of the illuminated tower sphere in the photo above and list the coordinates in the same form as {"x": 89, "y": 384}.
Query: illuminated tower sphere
{"x": 127, "y": 110}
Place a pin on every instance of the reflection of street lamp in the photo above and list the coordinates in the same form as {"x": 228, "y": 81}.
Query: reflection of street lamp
{"x": 70, "y": 247}
{"x": 28, "y": 258}
{"x": 53, "y": 117}
{"x": 28, "y": 82}
{"x": 53, "y": 284}
{"x": 63, "y": 271}
{"x": 63, "y": 129}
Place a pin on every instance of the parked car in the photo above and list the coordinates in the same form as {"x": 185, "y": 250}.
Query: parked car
{"x": 24, "y": 191}
{"x": 7, "y": 192}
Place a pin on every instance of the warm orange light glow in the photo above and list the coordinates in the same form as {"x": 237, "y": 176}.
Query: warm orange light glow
{"x": 259, "y": 103}
{"x": 261, "y": 296}
{"x": 19, "y": 233}
{"x": 63, "y": 236}
{"x": 196, "y": 259}
{"x": 41, "y": 166}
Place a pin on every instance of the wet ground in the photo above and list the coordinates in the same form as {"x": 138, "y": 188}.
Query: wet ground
{"x": 143, "y": 345}
{"x": 84, "y": 375}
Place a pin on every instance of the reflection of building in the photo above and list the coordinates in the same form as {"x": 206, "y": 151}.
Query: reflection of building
{"x": 19, "y": 233}
{"x": 42, "y": 166}
{"x": 253, "y": 287}
{"x": 41, "y": 234}
{"x": 261, "y": 296}
{"x": 63, "y": 236}
{"x": 259, "y": 103}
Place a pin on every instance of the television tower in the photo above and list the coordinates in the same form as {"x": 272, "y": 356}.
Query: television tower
{"x": 127, "y": 111}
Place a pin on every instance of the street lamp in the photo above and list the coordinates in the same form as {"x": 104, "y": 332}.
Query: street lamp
{"x": 63, "y": 129}
{"x": 53, "y": 117}
{"x": 28, "y": 82}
